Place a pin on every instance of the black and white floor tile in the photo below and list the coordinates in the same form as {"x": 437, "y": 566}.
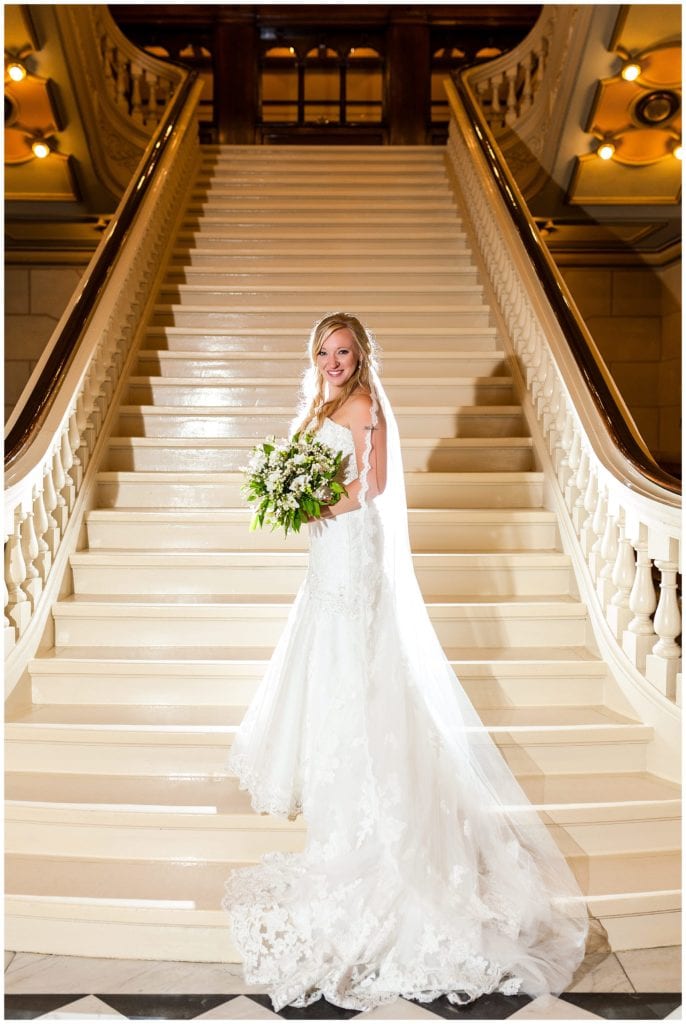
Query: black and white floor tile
{"x": 637, "y": 985}
{"x": 584, "y": 1006}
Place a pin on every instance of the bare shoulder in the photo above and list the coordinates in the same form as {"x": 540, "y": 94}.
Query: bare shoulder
{"x": 358, "y": 409}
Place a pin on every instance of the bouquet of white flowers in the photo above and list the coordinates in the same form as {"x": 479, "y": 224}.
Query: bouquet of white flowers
{"x": 287, "y": 482}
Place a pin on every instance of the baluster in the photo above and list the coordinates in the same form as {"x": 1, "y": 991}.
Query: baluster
{"x": 580, "y": 481}
{"x": 571, "y": 468}
{"x": 33, "y": 584}
{"x": 551, "y": 406}
{"x": 525, "y": 102}
{"x": 589, "y": 502}
{"x": 53, "y": 532}
{"x": 41, "y": 525}
{"x": 10, "y": 631}
{"x": 496, "y": 82}
{"x": 639, "y": 636}
{"x": 61, "y": 511}
{"x": 136, "y": 98}
{"x": 663, "y": 665}
{"x": 74, "y": 440}
{"x": 609, "y": 547}
{"x": 67, "y": 462}
{"x": 510, "y": 102}
{"x": 561, "y": 453}
{"x": 83, "y": 432}
{"x": 623, "y": 572}
{"x": 540, "y": 66}
{"x": 595, "y": 560}
{"x": 18, "y": 604}
{"x": 122, "y": 79}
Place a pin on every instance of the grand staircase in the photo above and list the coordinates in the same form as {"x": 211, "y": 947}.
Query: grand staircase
{"x": 121, "y": 822}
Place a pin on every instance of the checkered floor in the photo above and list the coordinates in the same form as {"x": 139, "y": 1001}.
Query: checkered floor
{"x": 570, "y": 1006}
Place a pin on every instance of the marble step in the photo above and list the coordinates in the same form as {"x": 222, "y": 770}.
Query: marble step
{"x": 281, "y": 573}
{"x": 381, "y": 253}
{"x": 158, "y": 490}
{"x": 466, "y": 421}
{"x": 334, "y": 204}
{"x": 180, "y": 916}
{"x": 452, "y": 455}
{"x": 245, "y": 239}
{"x": 149, "y": 816}
{"x": 245, "y": 621}
{"x": 433, "y": 530}
{"x": 194, "y": 740}
{"x": 399, "y": 341}
{"x": 343, "y": 274}
{"x": 382, "y": 320}
{"x": 212, "y": 232}
{"x": 267, "y": 297}
{"x": 328, "y": 191}
{"x": 256, "y": 392}
{"x": 491, "y": 678}
{"x": 230, "y": 365}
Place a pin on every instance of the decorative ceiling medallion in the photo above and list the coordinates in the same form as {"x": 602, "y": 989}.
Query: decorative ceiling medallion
{"x": 657, "y": 107}
{"x": 34, "y": 168}
{"x": 635, "y": 122}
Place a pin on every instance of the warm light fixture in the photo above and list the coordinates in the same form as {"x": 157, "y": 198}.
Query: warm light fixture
{"x": 677, "y": 150}
{"x": 40, "y": 148}
{"x": 631, "y": 71}
{"x": 606, "y": 151}
{"x": 16, "y": 71}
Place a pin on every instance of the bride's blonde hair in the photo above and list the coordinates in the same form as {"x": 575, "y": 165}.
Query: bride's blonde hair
{"x": 313, "y": 408}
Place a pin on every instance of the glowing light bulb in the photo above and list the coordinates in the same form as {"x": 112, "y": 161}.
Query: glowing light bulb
{"x": 40, "y": 149}
{"x": 16, "y": 71}
{"x": 631, "y": 71}
{"x": 678, "y": 151}
{"x": 606, "y": 151}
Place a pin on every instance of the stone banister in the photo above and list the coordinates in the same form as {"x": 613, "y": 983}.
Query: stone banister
{"x": 620, "y": 513}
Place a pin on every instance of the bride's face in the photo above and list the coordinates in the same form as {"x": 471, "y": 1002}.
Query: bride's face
{"x": 337, "y": 358}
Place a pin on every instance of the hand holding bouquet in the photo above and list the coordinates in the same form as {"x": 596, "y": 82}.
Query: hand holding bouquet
{"x": 287, "y": 484}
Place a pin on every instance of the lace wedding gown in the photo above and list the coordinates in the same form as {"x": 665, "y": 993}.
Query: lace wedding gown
{"x": 426, "y": 871}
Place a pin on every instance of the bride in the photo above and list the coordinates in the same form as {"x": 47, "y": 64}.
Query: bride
{"x": 426, "y": 871}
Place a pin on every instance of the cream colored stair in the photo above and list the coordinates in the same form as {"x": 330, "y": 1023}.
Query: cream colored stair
{"x": 121, "y": 822}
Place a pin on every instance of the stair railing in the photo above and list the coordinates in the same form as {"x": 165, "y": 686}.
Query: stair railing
{"x": 623, "y": 509}
{"x": 58, "y": 427}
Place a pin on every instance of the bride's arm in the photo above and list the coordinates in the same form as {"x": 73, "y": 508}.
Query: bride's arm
{"x": 359, "y": 422}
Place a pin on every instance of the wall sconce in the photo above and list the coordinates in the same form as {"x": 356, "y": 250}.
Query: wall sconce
{"x": 677, "y": 149}
{"x": 606, "y": 150}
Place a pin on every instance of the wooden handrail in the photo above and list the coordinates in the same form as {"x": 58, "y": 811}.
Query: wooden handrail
{"x": 41, "y": 398}
{"x": 610, "y": 411}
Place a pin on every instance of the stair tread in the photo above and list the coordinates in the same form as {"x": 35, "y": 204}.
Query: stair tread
{"x": 415, "y": 515}
{"x": 519, "y": 658}
{"x": 189, "y": 886}
{"x": 161, "y": 716}
{"x": 453, "y": 559}
{"x": 561, "y": 604}
{"x": 222, "y": 795}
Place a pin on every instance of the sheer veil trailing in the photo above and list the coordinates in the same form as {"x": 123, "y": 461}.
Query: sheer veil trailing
{"x": 427, "y": 870}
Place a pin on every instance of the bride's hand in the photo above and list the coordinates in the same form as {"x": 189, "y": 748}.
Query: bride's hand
{"x": 326, "y": 513}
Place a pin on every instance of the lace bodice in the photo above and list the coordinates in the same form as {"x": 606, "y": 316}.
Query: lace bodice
{"x": 340, "y": 438}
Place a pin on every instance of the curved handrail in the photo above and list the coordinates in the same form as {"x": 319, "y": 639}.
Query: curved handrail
{"x": 623, "y": 434}
{"x": 44, "y": 392}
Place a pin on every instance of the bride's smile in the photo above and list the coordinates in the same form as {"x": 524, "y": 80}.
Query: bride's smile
{"x": 337, "y": 359}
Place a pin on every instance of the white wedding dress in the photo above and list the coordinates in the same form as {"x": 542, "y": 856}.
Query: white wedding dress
{"x": 426, "y": 870}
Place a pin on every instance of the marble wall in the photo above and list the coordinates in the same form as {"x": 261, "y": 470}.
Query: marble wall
{"x": 35, "y": 298}
{"x": 634, "y": 315}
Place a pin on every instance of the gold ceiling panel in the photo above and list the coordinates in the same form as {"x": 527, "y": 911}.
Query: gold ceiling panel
{"x": 606, "y": 182}
{"x": 639, "y": 120}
